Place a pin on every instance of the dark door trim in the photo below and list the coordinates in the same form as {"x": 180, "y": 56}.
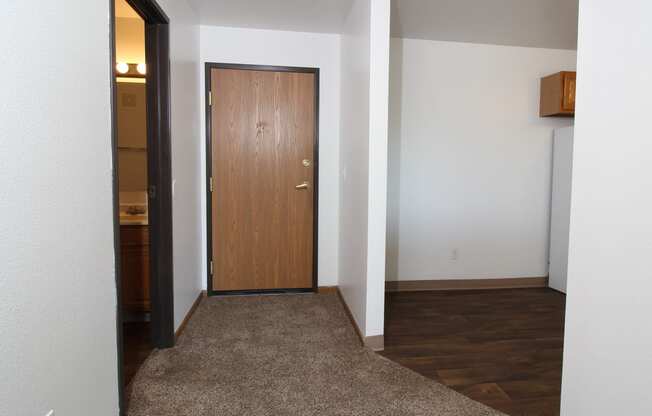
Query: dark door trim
{"x": 209, "y": 173}
{"x": 159, "y": 171}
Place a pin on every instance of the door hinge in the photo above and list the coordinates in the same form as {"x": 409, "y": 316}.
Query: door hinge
{"x": 210, "y": 98}
{"x": 211, "y": 267}
{"x": 210, "y": 183}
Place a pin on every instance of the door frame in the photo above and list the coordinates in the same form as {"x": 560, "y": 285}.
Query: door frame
{"x": 208, "y": 100}
{"x": 159, "y": 171}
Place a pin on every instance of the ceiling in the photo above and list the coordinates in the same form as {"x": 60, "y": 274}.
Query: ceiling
{"x": 122, "y": 9}
{"x": 295, "y": 15}
{"x": 534, "y": 23}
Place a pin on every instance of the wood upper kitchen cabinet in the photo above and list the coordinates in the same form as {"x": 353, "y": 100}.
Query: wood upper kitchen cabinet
{"x": 134, "y": 267}
{"x": 558, "y": 95}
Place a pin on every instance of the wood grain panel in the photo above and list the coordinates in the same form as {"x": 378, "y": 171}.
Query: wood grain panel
{"x": 466, "y": 284}
{"x": 134, "y": 268}
{"x": 263, "y": 125}
{"x": 558, "y": 95}
{"x": 500, "y": 347}
{"x": 568, "y": 102}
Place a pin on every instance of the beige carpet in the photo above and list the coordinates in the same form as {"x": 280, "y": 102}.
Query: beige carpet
{"x": 282, "y": 355}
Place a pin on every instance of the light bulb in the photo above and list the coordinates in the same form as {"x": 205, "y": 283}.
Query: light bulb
{"x": 141, "y": 68}
{"x": 122, "y": 67}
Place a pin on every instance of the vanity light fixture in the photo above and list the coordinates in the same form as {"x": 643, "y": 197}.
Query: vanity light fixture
{"x": 127, "y": 70}
{"x": 122, "y": 67}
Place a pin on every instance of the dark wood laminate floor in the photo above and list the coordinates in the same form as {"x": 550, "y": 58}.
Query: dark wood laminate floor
{"x": 499, "y": 347}
{"x": 137, "y": 347}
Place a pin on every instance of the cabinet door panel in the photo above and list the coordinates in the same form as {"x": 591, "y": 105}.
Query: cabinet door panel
{"x": 134, "y": 269}
{"x": 558, "y": 95}
{"x": 568, "y": 103}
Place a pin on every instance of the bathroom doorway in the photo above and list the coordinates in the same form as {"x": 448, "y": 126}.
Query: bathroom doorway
{"x": 142, "y": 183}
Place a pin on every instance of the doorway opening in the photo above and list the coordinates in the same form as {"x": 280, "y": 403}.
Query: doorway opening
{"x": 477, "y": 230}
{"x": 142, "y": 183}
{"x": 262, "y": 178}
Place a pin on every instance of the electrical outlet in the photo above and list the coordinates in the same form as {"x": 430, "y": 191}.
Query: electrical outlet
{"x": 455, "y": 254}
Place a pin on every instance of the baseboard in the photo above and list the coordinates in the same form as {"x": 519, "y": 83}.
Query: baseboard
{"x": 327, "y": 290}
{"x": 466, "y": 284}
{"x": 350, "y": 315}
{"x": 192, "y": 310}
{"x": 376, "y": 343}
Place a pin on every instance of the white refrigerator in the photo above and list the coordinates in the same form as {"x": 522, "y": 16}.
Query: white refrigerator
{"x": 562, "y": 169}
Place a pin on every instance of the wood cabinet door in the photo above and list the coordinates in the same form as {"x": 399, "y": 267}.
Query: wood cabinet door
{"x": 134, "y": 268}
{"x": 558, "y": 95}
{"x": 263, "y": 140}
{"x": 568, "y": 99}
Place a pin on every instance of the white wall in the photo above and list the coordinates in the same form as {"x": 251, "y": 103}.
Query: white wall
{"x": 268, "y": 47}
{"x": 354, "y": 160}
{"x": 608, "y": 346}
{"x": 363, "y": 168}
{"x": 562, "y": 172}
{"x": 57, "y": 283}
{"x": 378, "y": 148}
{"x": 187, "y": 141}
{"x": 57, "y": 280}
{"x": 470, "y": 160}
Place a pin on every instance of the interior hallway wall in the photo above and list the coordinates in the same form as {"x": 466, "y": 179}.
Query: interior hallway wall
{"x": 608, "y": 342}
{"x": 363, "y": 162}
{"x": 281, "y": 48}
{"x": 57, "y": 280}
{"x": 187, "y": 139}
{"x": 378, "y": 168}
{"x": 470, "y": 160}
{"x": 354, "y": 160}
{"x": 57, "y": 203}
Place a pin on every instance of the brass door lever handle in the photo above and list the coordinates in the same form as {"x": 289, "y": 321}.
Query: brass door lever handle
{"x": 303, "y": 185}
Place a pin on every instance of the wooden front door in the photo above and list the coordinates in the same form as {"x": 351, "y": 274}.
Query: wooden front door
{"x": 263, "y": 140}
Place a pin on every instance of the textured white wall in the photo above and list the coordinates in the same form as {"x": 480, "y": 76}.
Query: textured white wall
{"x": 562, "y": 171}
{"x": 57, "y": 280}
{"x": 58, "y": 300}
{"x": 470, "y": 160}
{"x": 354, "y": 160}
{"x": 187, "y": 139}
{"x": 608, "y": 345}
{"x": 269, "y": 47}
{"x": 363, "y": 162}
{"x": 378, "y": 142}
